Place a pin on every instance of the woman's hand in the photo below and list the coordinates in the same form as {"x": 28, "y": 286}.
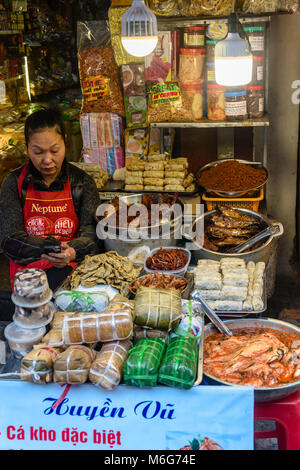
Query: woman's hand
{"x": 62, "y": 259}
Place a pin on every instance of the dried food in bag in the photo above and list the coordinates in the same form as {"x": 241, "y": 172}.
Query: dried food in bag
{"x": 157, "y": 308}
{"x": 164, "y": 7}
{"x": 106, "y": 370}
{"x": 141, "y": 367}
{"x": 259, "y": 6}
{"x": 178, "y": 368}
{"x": 211, "y": 7}
{"x": 72, "y": 365}
{"x": 81, "y": 300}
{"x": 37, "y": 365}
{"x": 98, "y": 71}
{"x": 291, "y": 6}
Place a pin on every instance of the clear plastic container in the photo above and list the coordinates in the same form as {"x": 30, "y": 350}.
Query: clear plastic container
{"x": 215, "y": 102}
{"x": 21, "y": 340}
{"x": 191, "y": 66}
{"x": 31, "y": 288}
{"x": 180, "y": 271}
{"x": 34, "y": 317}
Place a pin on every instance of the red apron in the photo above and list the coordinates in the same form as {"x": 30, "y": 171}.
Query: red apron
{"x": 47, "y": 213}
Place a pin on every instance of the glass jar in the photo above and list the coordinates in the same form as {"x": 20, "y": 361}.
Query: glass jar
{"x": 210, "y": 72}
{"x": 236, "y": 105}
{"x": 256, "y": 35}
{"x": 215, "y": 102}
{"x": 255, "y": 101}
{"x": 191, "y": 66}
{"x": 192, "y": 103}
{"x": 258, "y": 70}
{"x": 194, "y": 36}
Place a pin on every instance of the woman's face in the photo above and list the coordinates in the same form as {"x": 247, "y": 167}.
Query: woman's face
{"x": 46, "y": 150}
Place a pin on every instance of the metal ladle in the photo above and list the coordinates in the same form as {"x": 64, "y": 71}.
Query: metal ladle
{"x": 211, "y": 314}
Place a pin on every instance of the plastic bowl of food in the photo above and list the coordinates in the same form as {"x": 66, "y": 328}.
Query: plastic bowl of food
{"x": 21, "y": 340}
{"x": 168, "y": 260}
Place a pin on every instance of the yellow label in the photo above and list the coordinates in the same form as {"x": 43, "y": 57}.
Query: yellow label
{"x": 217, "y": 31}
{"x": 165, "y": 94}
{"x": 95, "y": 88}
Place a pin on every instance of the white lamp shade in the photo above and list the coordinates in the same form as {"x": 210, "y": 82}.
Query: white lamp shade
{"x": 139, "y": 46}
{"x": 233, "y": 61}
{"x": 233, "y": 71}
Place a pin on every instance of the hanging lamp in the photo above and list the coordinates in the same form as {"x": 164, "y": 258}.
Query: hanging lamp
{"x": 139, "y": 29}
{"x": 233, "y": 58}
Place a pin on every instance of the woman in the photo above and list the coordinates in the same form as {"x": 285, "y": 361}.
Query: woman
{"x": 47, "y": 207}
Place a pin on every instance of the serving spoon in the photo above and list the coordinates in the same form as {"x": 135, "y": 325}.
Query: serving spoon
{"x": 216, "y": 320}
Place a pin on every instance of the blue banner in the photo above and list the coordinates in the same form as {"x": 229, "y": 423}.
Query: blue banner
{"x": 84, "y": 417}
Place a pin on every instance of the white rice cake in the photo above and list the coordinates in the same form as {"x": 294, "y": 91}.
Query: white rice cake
{"x": 233, "y": 293}
{"x": 234, "y": 270}
{"x": 227, "y": 305}
{"x": 207, "y": 284}
{"x": 209, "y": 263}
{"x": 247, "y": 305}
{"x": 237, "y": 280}
{"x": 237, "y": 262}
{"x": 210, "y": 294}
{"x": 257, "y": 303}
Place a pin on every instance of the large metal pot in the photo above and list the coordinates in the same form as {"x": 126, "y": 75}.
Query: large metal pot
{"x": 267, "y": 252}
{"x": 261, "y": 394}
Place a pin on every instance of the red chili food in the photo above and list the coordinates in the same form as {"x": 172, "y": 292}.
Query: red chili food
{"x": 167, "y": 259}
{"x": 232, "y": 175}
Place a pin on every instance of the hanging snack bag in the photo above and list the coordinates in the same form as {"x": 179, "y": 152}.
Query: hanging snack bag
{"x": 141, "y": 367}
{"x": 179, "y": 365}
{"x": 98, "y": 71}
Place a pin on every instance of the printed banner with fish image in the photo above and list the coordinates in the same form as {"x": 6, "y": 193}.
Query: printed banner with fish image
{"x": 86, "y": 417}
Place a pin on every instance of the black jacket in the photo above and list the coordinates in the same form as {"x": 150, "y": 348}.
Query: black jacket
{"x": 22, "y": 248}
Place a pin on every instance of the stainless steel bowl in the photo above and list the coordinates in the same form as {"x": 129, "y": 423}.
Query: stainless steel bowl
{"x": 261, "y": 394}
{"x": 230, "y": 193}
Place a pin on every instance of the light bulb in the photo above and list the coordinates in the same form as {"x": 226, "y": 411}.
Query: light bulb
{"x": 139, "y": 30}
{"x": 139, "y": 46}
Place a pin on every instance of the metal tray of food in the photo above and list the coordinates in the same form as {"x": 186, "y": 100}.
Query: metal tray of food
{"x": 230, "y": 193}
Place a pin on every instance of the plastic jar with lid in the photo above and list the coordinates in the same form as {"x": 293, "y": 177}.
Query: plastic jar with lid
{"x": 256, "y": 35}
{"x": 258, "y": 70}
{"x": 191, "y": 66}
{"x": 236, "y": 105}
{"x": 192, "y": 103}
{"x": 210, "y": 72}
{"x": 215, "y": 102}
{"x": 194, "y": 36}
{"x": 255, "y": 101}
{"x": 210, "y": 50}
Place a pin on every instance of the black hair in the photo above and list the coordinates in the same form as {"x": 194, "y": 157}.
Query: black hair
{"x": 42, "y": 119}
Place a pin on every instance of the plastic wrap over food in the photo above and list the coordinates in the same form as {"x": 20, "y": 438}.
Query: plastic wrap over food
{"x": 106, "y": 370}
{"x": 98, "y": 71}
{"x": 97, "y": 327}
{"x": 141, "y": 367}
{"x": 190, "y": 325}
{"x": 72, "y": 365}
{"x": 179, "y": 365}
{"x": 84, "y": 299}
{"x": 37, "y": 365}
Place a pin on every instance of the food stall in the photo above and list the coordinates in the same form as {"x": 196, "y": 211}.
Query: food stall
{"x": 166, "y": 332}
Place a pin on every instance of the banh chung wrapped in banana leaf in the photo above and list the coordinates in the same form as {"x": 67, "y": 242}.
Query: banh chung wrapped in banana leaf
{"x": 141, "y": 367}
{"x": 179, "y": 365}
{"x": 72, "y": 365}
{"x": 157, "y": 308}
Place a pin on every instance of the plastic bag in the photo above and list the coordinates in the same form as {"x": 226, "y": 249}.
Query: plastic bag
{"x": 72, "y": 365}
{"x": 82, "y": 300}
{"x": 178, "y": 368}
{"x": 258, "y": 6}
{"x": 211, "y": 7}
{"x": 290, "y": 6}
{"x": 141, "y": 367}
{"x": 98, "y": 71}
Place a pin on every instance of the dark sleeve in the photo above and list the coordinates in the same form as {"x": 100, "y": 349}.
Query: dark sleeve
{"x": 86, "y": 242}
{"x": 15, "y": 242}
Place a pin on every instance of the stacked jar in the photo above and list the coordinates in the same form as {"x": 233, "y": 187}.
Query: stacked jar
{"x": 255, "y": 90}
{"x": 191, "y": 78}
{"x": 33, "y": 311}
{"x": 236, "y": 104}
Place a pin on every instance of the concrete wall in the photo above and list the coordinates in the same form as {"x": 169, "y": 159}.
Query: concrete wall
{"x": 283, "y": 134}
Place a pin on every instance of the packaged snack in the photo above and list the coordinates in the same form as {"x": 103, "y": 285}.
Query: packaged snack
{"x": 106, "y": 370}
{"x": 136, "y": 111}
{"x": 98, "y": 71}
{"x": 133, "y": 79}
{"x": 72, "y": 365}
{"x": 158, "y": 64}
{"x": 136, "y": 145}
